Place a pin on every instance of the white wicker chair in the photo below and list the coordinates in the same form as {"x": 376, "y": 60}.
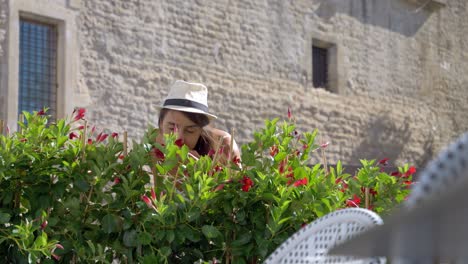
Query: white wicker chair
{"x": 311, "y": 243}
{"x": 447, "y": 169}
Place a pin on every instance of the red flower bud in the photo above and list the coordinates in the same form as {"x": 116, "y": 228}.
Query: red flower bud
{"x": 153, "y": 194}
{"x": 72, "y": 135}
{"x": 101, "y": 137}
{"x": 114, "y": 134}
{"x": 117, "y": 180}
{"x": 147, "y": 201}
{"x": 383, "y": 162}
{"x": 219, "y": 187}
{"x": 44, "y": 224}
{"x": 273, "y": 150}
{"x": 324, "y": 145}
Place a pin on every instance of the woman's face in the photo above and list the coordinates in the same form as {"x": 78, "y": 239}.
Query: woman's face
{"x": 184, "y": 128}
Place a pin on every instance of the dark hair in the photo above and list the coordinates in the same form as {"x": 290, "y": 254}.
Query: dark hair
{"x": 205, "y": 141}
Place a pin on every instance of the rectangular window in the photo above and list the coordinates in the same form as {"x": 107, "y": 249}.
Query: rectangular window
{"x": 37, "y": 67}
{"x": 320, "y": 67}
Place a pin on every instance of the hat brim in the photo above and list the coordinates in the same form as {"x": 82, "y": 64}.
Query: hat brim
{"x": 188, "y": 109}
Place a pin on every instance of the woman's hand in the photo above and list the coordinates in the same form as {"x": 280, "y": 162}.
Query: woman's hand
{"x": 194, "y": 154}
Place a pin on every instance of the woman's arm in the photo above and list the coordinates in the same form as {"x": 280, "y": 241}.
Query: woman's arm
{"x": 217, "y": 134}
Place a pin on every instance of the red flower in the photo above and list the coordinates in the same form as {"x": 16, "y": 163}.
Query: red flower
{"x": 343, "y": 183}
{"x": 289, "y": 113}
{"x": 353, "y": 202}
{"x": 324, "y": 145}
{"x": 383, "y": 162}
{"x": 408, "y": 183}
{"x": 211, "y": 153}
{"x": 72, "y": 135}
{"x": 282, "y": 165}
{"x": 179, "y": 142}
{"x": 81, "y": 127}
{"x": 236, "y": 160}
{"x": 114, "y": 134}
{"x": 300, "y": 182}
{"x": 396, "y": 174}
{"x": 158, "y": 154}
{"x": 90, "y": 141}
{"x": 273, "y": 150}
{"x": 218, "y": 168}
{"x": 371, "y": 191}
{"x": 411, "y": 171}
{"x": 79, "y": 114}
{"x": 41, "y": 112}
{"x": 247, "y": 183}
{"x": 121, "y": 157}
{"x": 117, "y": 180}
{"x": 153, "y": 194}
{"x": 101, "y": 137}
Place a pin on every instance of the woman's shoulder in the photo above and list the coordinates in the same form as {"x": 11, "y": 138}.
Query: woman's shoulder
{"x": 218, "y": 133}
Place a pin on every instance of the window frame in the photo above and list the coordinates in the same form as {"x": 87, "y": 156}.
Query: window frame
{"x": 54, "y": 85}
{"x": 64, "y": 17}
{"x": 334, "y": 70}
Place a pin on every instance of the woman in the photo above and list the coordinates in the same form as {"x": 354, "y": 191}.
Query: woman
{"x": 185, "y": 113}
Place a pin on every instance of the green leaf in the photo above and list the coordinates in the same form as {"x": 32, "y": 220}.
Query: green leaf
{"x": 170, "y": 236}
{"x": 4, "y": 218}
{"x": 190, "y": 191}
{"x": 130, "y": 238}
{"x": 111, "y": 223}
{"x": 144, "y": 238}
{"x": 243, "y": 239}
{"x": 280, "y": 156}
{"x": 210, "y": 231}
{"x": 41, "y": 241}
{"x": 165, "y": 251}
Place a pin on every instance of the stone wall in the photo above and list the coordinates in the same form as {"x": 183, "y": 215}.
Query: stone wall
{"x": 3, "y": 35}
{"x": 401, "y": 84}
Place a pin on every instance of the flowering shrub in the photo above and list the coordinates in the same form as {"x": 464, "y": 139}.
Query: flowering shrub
{"x": 71, "y": 193}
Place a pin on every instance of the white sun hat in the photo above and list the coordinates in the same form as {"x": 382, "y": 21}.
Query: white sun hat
{"x": 188, "y": 97}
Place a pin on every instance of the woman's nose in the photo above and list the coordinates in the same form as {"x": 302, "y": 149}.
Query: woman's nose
{"x": 180, "y": 134}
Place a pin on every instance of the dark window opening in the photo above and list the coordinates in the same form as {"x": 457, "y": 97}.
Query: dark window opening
{"x": 320, "y": 67}
{"x": 37, "y": 67}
